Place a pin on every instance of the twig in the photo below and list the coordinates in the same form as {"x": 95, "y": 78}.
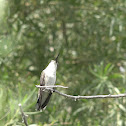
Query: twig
{"x": 64, "y": 29}
{"x": 80, "y": 97}
{"x": 89, "y": 97}
{"x": 56, "y": 86}
{"x": 23, "y": 115}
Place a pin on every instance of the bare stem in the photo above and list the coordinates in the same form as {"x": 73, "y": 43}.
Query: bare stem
{"x": 90, "y": 97}
{"x": 23, "y": 115}
{"x": 80, "y": 97}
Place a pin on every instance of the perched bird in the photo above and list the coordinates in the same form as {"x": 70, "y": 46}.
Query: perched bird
{"x": 47, "y": 78}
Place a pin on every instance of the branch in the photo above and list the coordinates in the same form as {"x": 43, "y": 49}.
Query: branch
{"x": 64, "y": 29}
{"x": 56, "y": 86}
{"x": 89, "y": 97}
{"x": 79, "y": 97}
{"x": 23, "y": 115}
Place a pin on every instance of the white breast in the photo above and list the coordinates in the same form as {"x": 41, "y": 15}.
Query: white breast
{"x": 50, "y": 79}
{"x": 50, "y": 73}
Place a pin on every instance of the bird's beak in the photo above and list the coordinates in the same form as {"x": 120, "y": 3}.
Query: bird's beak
{"x": 56, "y": 59}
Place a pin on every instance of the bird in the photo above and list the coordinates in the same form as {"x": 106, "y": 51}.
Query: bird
{"x": 47, "y": 78}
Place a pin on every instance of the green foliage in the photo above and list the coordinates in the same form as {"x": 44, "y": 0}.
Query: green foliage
{"x": 90, "y": 36}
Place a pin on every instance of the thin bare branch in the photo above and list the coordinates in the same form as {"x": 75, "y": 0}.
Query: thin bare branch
{"x": 23, "y": 115}
{"x": 56, "y": 86}
{"x": 89, "y": 97}
{"x": 79, "y": 97}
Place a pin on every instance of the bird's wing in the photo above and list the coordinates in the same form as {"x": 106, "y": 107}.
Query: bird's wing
{"x": 43, "y": 96}
{"x": 42, "y": 79}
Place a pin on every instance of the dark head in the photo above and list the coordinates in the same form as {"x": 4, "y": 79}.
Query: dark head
{"x": 56, "y": 59}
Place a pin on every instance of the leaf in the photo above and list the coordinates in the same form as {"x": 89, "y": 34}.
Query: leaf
{"x": 108, "y": 68}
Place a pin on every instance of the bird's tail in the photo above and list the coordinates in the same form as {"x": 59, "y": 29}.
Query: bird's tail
{"x": 41, "y": 103}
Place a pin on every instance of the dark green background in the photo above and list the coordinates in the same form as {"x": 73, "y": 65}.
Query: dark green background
{"x": 91, "y": 38}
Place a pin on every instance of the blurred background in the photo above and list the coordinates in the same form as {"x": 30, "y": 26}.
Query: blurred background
{"x": 91, "y": 38}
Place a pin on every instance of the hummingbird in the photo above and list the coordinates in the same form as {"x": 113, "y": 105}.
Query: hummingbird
{"x": 47, "y": 78}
